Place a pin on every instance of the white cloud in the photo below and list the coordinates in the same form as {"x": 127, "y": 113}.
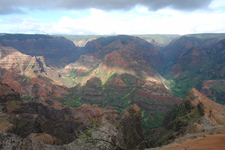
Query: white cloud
{"x": 217, "y": 4}
{"x": 160, "y": 22}
{"x": 137, "y": 21}
{"x": 28, "y": 25}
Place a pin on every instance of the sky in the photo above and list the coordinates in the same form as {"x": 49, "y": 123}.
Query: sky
{"x": 110, "y": 17}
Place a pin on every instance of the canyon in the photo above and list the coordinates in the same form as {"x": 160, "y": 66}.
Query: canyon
{"x": 80, "y": 81}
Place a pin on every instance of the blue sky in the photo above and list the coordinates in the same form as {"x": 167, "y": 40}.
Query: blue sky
{"x": 101, "y": 17}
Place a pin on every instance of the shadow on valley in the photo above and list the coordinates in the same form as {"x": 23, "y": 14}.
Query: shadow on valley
{"x": 58, "y": 51}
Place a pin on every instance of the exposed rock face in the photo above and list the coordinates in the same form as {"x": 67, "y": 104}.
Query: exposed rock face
{"x": 83, "y": 42}
{"x": 214, "y": 89}
{"x": 88, "y": 112}
{"x": 118, "y": 74}
{"x": 44, "y": 125}
{"x": 136, "y": 45}
{"x": 197, "y": 115}
{"x": 117, "y": 68}
{"x": 58, "y": 51}
{"x": 123, "y": 133}
{"x": 30, "y": 76}
{"x": 8, "y": 94}
{"x": 25, "y": 118}
{"x": 193, "y": 62}
{"x": 131, "y": 127}
{"x": 213, "y": 113}
{"x": 32, "y": 71}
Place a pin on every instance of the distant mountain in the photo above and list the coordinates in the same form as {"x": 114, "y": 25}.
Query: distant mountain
{"x": 114, "y": 72}
{"x": 191, "y": 61}
{"x": 158, "y": 40}
{"x": 58, "y": 51}
{"x": 117, "y": 72}
{"x": 185, "y": 43}
{"x": 31, "y": 76}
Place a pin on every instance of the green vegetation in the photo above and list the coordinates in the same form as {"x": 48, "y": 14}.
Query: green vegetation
{"x": 26, "y": 98}
{"x": 71, "y": 99}
{"x": 16, "y": 104}
{"x": 219, "y": 36}
{"x": 3, "y": 120}
{"x": 108, "y": 97}
{"x": 219, "y": 93}
{"x": 24, "y": 79}
{"x": 175, "y": 122}
{"x": 108, "y": 77}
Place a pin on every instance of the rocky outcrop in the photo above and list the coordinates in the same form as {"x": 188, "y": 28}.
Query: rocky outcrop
{"x": 196, "y": 116}
{"x": 58, "y": 51}
{"x": 35, "y": 120}
{"x": 123, "y": 133}
{"x": 83, "y": 42}
{"x": 31, "y": 76}
{"x": 31, "y": 125}
{"x": 213, "y": 113}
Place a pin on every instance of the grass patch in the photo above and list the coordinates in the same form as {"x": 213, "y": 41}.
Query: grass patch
{"x": 3, "y": 120}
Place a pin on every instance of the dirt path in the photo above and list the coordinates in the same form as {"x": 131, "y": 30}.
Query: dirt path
{"x": 209, "y": 142}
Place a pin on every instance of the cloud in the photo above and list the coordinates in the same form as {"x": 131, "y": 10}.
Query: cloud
{"x": 139, "y": 20}
{"x": 21, "y": 6}
{"x": 160, "y": 22}
{"x": 20, "y": 25}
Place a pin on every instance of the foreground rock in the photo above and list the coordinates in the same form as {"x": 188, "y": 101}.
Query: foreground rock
{"x": 31, "y": 125}
{"x": 122, "y": 133}
{"x": 197, "y": 119}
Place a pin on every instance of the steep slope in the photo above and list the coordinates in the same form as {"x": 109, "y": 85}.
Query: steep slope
{"x": 198, "y": 65}
{"x": 31, "y": 76}
{"x": 113, "y": 72}
{"x": 26, "y": 118}
{"x": 183, "y": 44}
{"x": 116, "y": 54}
{"x": 58, "y": 51}
{"x": 139, "y": 46}
{"x": 213, "y": 85}
{"x": 31, "y": 125}
{"x": 118, "y": 74}
{"x": 189, "y": 69}
{"x": 196, "y": 116}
